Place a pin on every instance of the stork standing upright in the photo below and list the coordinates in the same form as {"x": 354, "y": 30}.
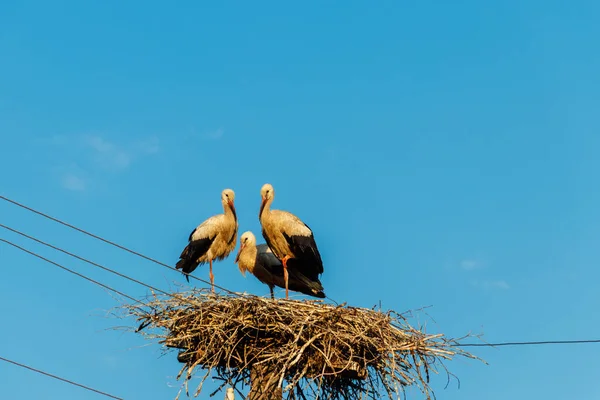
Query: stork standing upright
{"x": 262, "y": 263}
{"x": 214, "y": 239}
{"x": 290, "y": 239}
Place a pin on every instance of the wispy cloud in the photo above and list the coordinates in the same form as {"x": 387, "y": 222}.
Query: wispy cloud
{"x": 471, "y": 264}
{"x": 73, "y": 182}
{"x": 491, "y": 284}
{"x": 107, "y": 154}
{"x": 117, "y": 157}
{"x": 113, "y": 156}
{"x": 72, "y": 177}
{"x": 93, "y": 154}
{"x": 148, "y": 146}
{"x": 473, "y": 267}
{"x": 216, "y": 134}
{"x": 194, "y": 134}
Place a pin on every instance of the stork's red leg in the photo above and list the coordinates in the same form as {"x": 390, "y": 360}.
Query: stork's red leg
{"x": 285, "y": 274}
{"x": 212, "y": 278}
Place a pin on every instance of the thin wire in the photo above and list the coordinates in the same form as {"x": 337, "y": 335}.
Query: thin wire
{"x": 71, "y": 271}
{"x": 59, "y": 378}
{"x": 527, "y": 343}
{"x": 546, "y": 342}
{"x": 117, "y": 245}
{"x": 87, "y": 261}
{"x": 112, "y": 243}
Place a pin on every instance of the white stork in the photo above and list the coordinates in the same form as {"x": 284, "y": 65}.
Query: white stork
{"x": 290, "y": 239}
{"x": 214, "y": 239}
{"x": 262, "y": 263}
{"x": 229, "y": 394}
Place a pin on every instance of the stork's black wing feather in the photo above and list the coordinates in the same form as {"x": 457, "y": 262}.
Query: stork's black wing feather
{"x": 267, "y": 260}
{"x": 308, "y": 259}
{"x": 192, "y": 234}
{"x": 188, "y": 260}
{"x": 299, "y": 282}
{"x": 269, "y": 270}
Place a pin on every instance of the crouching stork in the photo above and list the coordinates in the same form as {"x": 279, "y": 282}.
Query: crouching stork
{"x": 214, "y": 239}
{"x": 290, "y": 239}
{"x": 262, "y": 263}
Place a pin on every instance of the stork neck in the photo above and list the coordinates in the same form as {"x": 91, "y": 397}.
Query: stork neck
{"x": 229, "y": 211}
{"x": 265, "y": 209}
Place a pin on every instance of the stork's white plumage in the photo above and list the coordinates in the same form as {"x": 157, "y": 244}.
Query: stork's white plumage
{"x": 290, "y": 239}
{"x": 229, "y": 394}
{"x": 214, "y": 239}
{"x": 267, "y": 268}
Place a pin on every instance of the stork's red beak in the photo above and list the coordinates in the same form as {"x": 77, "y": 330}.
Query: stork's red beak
{"x": 237, "y": 257}
{"x": 262, "y": 206}
{"x": 232, "y": 209}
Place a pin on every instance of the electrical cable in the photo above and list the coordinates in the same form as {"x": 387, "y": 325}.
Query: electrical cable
{"x": 546, "y": 342}
{"x": 527, "y": 343}
{"x": 87, "y": 261}
{"x": 59, "y": 378}
{"x": 112, "y": 243}
{"x": 71, "y": 271}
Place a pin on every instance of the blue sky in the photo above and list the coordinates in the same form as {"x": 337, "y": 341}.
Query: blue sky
{"x": 444, "y": 154}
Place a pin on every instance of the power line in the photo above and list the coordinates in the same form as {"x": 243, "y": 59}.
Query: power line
{"x": 172, "y": 295}
{"x": 527, "y": 343}
{"x": 86, "y": 260}
{"x": 116, "y": 245}
{"x": 71, "y": 271}
{"x": 546, "y": 342}
{"x": 195, "y": 277}
{"x": 59, "y": 378}
{"x": 111, "y": 243}
{"x": 96, "y": 264}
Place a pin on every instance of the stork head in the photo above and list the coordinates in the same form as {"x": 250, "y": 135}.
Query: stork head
{"x": 247, "y": 239}
{"x": 227, "y": 197}
{"x": 266, "y": 193}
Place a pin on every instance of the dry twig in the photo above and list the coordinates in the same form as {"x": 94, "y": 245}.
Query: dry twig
{"x": 314, "y": 349}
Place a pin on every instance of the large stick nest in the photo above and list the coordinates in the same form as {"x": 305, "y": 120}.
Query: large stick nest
{"x": 313, "y": 349}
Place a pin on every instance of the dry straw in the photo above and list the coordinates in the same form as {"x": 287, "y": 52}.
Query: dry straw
{"x": 304, "y": 349}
